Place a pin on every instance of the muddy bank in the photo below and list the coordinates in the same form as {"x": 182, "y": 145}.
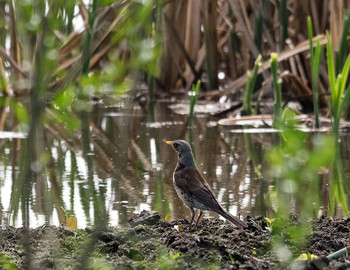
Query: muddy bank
{"x": 154, "y": 243}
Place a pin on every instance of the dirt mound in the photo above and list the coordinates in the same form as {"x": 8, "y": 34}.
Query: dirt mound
{"x": 154, "y": 243}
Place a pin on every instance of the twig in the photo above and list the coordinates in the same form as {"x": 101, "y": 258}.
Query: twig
{"x": 13, "y": 63}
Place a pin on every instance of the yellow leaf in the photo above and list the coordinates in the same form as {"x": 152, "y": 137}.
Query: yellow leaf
{"x": 268, "y": 220}
{"x": 167, "y": 217}
{"x": 72, "y": 223}
{"x": 303, "y": 257}
{"x": 313, "y": 256}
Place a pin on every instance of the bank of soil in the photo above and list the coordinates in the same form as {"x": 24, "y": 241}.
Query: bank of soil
{"x": 153, "y": 243}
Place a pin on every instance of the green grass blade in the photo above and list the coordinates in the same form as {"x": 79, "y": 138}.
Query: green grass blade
{"x": 247, "y": 108}
{"x": 283, "y": 18}
{"x": 344, "y": 76}
{"x": 345, "y": 99}
{"x": 193, "y": 100}
{"x": 277, "y": 110}
{"x": 258, "y": 34}
{"x": 330, "y": 64}
{"x": 315, "y": 67}
{"x": 317, "y": 58}
{"x": 342, "y": 199}
{"x": 309, "y": 29}
{"x": 331, "y": 73}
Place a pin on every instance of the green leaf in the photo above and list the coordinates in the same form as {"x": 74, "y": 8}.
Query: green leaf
{"x": 231, "y": 258}
{"x": 309, "y": 256}
{"x": 20, "y": 111}
{"x": 309, "y": 28}
{"x": 344, "y": 75}
{"x": 5, "y": 263}
{"x": 330, "y": 64}
{"x": 345, "y": 99}
{"x": 174, "y": 256}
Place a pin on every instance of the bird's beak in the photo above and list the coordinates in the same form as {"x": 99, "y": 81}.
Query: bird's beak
{"x": 169, "y": 142}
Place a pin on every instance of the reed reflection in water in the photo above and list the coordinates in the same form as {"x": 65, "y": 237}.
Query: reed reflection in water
{"x": 129, "y": 168}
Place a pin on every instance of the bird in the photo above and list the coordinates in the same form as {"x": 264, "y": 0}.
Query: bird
{"x": 193, "y": 189}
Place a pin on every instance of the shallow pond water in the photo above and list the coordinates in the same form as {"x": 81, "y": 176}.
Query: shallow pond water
{"x": 129, "y": 168}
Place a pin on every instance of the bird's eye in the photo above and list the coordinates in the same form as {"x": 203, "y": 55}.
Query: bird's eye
{"x": 175, "y": 145}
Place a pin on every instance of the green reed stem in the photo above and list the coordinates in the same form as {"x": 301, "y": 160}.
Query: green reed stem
{"x": 277, "y": 107}
{"x": 344, "y": 42}
{"x": 283, "y": 18}
{"x": 337, "y": 85}
{"x": 193, "y": 100}
{"x": 339, "y": 188}
{"x": 341, "y": 53}
{"x": 247, "y": 108}
{"x": 258, "y": 35}
{"x": 337, "y": 254}
{"x": 315, "y": 59}
{"x": 84, "y": 114}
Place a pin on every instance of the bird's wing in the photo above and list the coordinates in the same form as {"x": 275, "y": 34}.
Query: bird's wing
{"x": 193, "y": 183}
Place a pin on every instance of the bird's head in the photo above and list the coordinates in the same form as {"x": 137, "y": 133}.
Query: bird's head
{"x": 184, "y": 152}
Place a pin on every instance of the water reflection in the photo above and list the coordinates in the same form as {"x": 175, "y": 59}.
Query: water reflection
{"x": 129, "y": 168}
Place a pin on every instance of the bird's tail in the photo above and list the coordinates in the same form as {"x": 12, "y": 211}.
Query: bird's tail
{"x": 239, "y": 223}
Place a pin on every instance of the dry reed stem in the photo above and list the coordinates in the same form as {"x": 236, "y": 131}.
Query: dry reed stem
{"x": 336, "y": 22}
{"x": 184, "y": 53}
{"x": 300, "y": 48}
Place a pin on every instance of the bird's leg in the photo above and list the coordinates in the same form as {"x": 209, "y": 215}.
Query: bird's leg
{"x": 200, "y": 215}
{"x": 193, "y": 214}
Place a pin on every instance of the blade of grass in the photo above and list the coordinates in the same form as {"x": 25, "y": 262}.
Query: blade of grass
{"x": 343, "y": 77}
{"x": 258, "y": 34}
{"x": 340, "y": 54}
{"x": 337, "y": 87}
{"x": 315, "y": 58}
{"x": 310, "y": 34}
{"x": 314, "y": 77}
{"x": 193, "y": 99}
{"x": 331, "y": 71}
{"x": 283, "y": 18}
{"x": 345, "y": 99}
{"x": 277, "y": 109}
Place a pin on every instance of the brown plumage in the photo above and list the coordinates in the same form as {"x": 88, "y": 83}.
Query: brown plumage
{"x": 192, "y": 188}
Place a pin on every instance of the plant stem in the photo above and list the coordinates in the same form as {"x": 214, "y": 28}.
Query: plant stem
{"x": 283, "y": 18}
{"x": 193, "y": 99}
{"x": 247, "y": 109}
{"x": 315, "y": 58}
{"x": 277, "y": 108}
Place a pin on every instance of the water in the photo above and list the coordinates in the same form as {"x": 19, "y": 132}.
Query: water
{"x": 129, "y": 169}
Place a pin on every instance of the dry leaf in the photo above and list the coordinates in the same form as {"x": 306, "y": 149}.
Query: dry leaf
{"x": 178, "y": 227}
{"x": 72, "y": 223}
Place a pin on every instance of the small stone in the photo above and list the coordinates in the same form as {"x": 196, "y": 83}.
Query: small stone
{"x": 145, "y": 218}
